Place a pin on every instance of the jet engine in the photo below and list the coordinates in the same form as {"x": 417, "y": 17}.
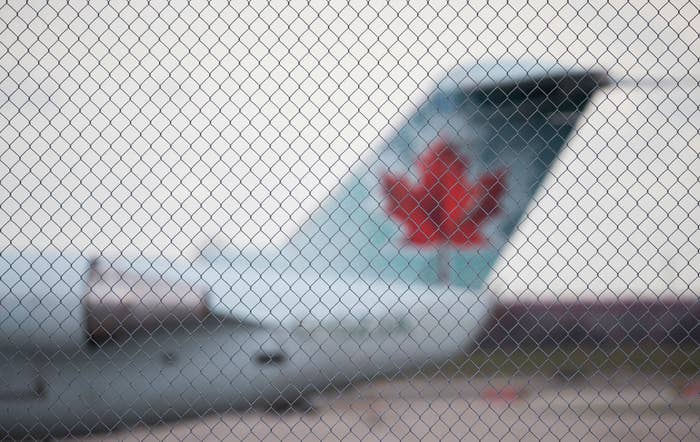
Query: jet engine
{"x": 57, "y": 302}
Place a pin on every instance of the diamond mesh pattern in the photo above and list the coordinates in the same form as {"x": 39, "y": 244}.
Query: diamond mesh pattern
{"x": 351, "y": 220}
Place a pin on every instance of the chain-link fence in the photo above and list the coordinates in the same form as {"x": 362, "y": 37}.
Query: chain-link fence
{"x": 454, "y": 220}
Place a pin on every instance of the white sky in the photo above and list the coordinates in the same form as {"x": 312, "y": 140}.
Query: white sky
{"x": 129, "y": 128}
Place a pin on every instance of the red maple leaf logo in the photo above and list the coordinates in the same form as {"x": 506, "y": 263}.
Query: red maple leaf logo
{"x": 444, "y": 207}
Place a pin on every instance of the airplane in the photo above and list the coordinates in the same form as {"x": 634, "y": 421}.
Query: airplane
{"x": 385, "y": 278}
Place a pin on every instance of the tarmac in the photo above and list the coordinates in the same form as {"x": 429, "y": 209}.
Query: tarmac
{"x": 615, "y": 407}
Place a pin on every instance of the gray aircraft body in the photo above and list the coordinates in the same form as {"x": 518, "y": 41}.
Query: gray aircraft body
{"x": 387, "y": 276}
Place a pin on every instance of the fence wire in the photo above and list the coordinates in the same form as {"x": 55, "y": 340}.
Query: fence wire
{"x": 362, "y": 221}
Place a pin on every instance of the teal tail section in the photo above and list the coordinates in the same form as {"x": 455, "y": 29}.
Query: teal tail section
{"x": 447, "y": 191}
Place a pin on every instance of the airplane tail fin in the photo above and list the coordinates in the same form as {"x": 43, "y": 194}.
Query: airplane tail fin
{"x": 441, "y": 198}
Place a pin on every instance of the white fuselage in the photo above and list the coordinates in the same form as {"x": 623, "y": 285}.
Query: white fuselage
{"x": 230, "y": 360}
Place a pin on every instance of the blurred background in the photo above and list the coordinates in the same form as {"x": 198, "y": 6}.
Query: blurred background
{"x": 151, "y": 128}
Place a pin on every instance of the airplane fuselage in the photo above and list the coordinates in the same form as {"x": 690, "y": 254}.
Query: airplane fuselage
{"x": 217, "y": 364}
